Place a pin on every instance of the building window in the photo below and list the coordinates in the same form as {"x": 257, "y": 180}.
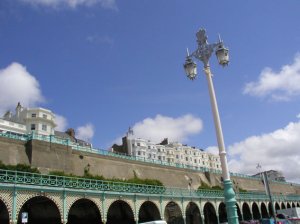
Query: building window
{"x": 32, "y": 128}
{"x": 186, "y": 159}
{"x": 159, "y": 157}
{"x": 138, "y": 144}
{"x": 195, "y": 161}
{"x": 177, "y": 157}
{"x": 33, "y": 115}
{"x": 44, "y": 127}
{"x": 45, "y": 116}
{"x": 139, "y": 153}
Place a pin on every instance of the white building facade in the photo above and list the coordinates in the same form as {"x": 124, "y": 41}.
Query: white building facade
{"x": 175, "y": 153}
{"x": 27, "y": 120}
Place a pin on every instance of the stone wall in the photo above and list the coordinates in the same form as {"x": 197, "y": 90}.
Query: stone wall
{"x": 49, "y": 156}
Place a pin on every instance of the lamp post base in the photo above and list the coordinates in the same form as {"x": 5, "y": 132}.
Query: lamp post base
{"x": 230, "y": 203}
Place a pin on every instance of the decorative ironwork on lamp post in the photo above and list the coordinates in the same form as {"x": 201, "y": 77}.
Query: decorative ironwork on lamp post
{"x": 203, "y": 53}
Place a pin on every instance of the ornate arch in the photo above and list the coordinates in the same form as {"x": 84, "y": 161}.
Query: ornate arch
{"x": 139, "y": 204}
{"x": 25, "y": 196}
{"x": 75, "y": 199}
{"x": 110, "y": 201}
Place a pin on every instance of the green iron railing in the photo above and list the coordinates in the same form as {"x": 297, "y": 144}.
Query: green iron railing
{"x": 26, "y": 178}
{"x": 75, "y": 146}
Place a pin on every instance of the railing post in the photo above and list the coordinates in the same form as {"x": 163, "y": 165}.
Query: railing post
{"x": 242, "y": 216}
{"x": 136, "y": 218}
{"x": 14, "y": 207}
{"x": 218, "y": 220}
{"x": 161, "y": 208}
{"x": 65, "y": 215}
{"x": 203, "y": 218}
{"x": 103, "y": 215}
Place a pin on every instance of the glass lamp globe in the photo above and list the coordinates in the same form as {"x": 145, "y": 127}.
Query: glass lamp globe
{"x": 222, "y": 55}
{"x": 190, "y": 68}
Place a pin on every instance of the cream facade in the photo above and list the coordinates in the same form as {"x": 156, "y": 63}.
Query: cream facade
{"x": 174, "y": 152}
{"x": 28, "y": 120}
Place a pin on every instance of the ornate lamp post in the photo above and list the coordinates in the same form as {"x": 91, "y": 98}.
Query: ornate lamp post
{"x": 203, "y": 54}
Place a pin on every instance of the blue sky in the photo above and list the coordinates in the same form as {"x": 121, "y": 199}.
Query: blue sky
{"x": 105, "y": 65}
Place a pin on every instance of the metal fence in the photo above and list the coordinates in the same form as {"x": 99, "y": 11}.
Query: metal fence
{"x": 26, "y": 178}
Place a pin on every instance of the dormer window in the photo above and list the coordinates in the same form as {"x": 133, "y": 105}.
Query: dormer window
{"x": 33, "y": 115}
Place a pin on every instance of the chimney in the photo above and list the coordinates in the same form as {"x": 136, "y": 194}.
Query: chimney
{"x": 71, "y": 132}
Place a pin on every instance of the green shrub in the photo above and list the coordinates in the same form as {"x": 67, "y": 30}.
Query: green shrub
{"x": 19, "y": 167}
{"x": 204, "y": 186}
{"x": 216, "y": 187}
{"x": 87, "y": 175}
{"x": 242, "y": 190}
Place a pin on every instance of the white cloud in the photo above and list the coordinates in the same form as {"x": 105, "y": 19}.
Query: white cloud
{"x": 97, "y": 39}
{"x": 61, "y": 123}
{"x": 278, "y": 150}
{"x": 18, "y": 85}
{"x": 213, "y": 150}
{"x": 280, "y": 86}
{"x": 175, "y": 129}
{"x": 85, "y": 132}
{"x": 109, "y": 4}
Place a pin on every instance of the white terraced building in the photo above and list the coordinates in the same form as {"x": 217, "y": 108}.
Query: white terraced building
{"x": 39, "y": 121}
{"x": 28, "y": 120}
{"x": 174, "y": 152}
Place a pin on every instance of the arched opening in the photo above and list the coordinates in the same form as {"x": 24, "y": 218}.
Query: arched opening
{"x": 40, "y": 210}
{"x": 210, "y": 216}
{"x": 288, "y": 205}
{"x": 283, "y": 205}
{"x": 264, "y": 211}
{"x": 255, "y": 211}
{"x": 270, "y": 209}
{"x": 222, "y": 213}
{"x": 84, "y": 211}
{"x": 239, "y": 212}
{"x": 246, "y": 212}
{"x": 192, "y": 214}
{"x": 293, "y": 205}
{"x": 148, "y": 212}
{"x": 277, "y": 207}
{"x": 4, "y": 216}
{"x": 298, "y": 205}
{"x": 120, "y": 213}
{"x": 173, "y": 214}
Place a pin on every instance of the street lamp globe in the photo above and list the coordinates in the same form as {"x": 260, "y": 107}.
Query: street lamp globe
{"x": 190, "y": 68}
{"x": 222, "y": 54}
